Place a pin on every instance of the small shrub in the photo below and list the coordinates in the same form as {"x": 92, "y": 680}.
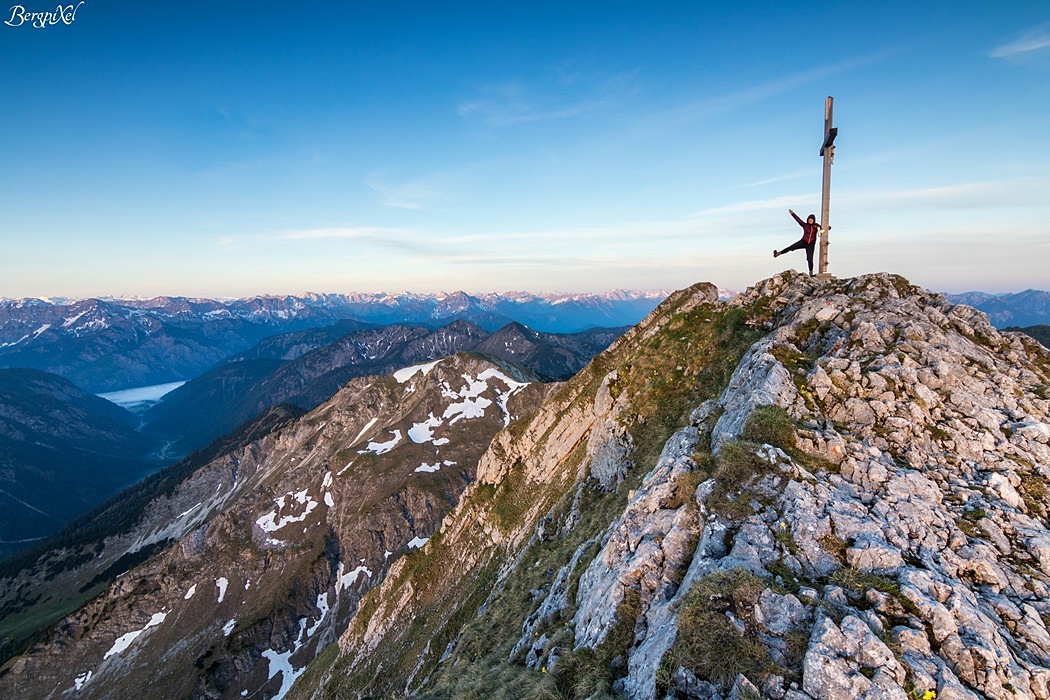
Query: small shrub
{"x": 834, "y": 546}
{"x": 967, "y": 527}
{"x": 771, "y": 425}
{"x": 859, "y": 582}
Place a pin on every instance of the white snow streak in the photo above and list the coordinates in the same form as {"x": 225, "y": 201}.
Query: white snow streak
{"x": 269, "y": 522}
{"x": 123, "y": 642}
{"x": 363, "y": 431}
{"x": 322, "y": 606}
{"x": 470, "y": 408}
{"x": 403, "y": 375}
{"x": 430, "y": 468}
{"x": 222, "y": 583}
{"x": 383, "y": 447}
{"x": 228, "y": 627}
{"x": 347, "y": 579}
{"x": 417, "y": 542}
{"x": 281, "y": 663}
{"x": 81, "y": 680}
{"x": 189, "y": 593}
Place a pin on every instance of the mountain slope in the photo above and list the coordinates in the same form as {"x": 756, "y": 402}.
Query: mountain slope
{"x": 813, "y": 491}
{"x": 232, "y": 392}
{"x": 1040, "y": 333}
{"x": 859, "y": 511}
{"x": 62, "y": 451}
{"x": 54, "y": 577}
{"x": 555, "y": 357}
{"x": 216, "y": 402}
{"x": 278, "y": 539}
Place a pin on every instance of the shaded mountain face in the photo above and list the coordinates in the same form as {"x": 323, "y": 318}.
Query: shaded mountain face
{"x": 108, "y": 345}
{"x": 216, "y": 402}
{"x": 1028, "y": 308}
{"x": 278, "y": 540}
{"x": 52, "y": 578}
{"x": 105, "y": 346}
{"x": 553, "y": 357}
{"x": 62, "y": 450}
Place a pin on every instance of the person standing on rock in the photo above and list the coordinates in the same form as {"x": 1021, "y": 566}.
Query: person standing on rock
{"x": 808, "y": 240}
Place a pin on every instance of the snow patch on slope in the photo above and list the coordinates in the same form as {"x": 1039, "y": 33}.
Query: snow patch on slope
{"x": 383, "y": 447}
{"x": 403, "y": 375}
{"x": 124, "y": 641}
{"x": 269, "y": 521}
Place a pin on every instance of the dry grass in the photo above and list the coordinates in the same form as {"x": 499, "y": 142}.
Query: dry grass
{"x": 709, "y": 643}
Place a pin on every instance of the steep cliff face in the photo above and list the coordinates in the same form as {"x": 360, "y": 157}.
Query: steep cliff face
{"x": 832, "y": 490}
{"x": 276, "y": 542}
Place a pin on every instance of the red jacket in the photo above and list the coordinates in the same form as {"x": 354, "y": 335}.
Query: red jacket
{"x": 809, "y": 231}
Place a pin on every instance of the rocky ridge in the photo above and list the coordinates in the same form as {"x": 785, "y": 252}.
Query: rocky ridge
{"x": 859, "y": 511}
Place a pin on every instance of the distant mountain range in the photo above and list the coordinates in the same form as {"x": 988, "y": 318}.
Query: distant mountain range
{"x": 1028, "y": 308}
{"x": 113, "y": 344}
{"x": 305, "y": 368}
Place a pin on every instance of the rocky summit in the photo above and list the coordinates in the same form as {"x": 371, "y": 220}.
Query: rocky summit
{"x": 814, "y": 490}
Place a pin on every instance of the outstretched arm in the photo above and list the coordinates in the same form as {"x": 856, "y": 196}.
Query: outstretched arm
{"x": 800, "y": 221}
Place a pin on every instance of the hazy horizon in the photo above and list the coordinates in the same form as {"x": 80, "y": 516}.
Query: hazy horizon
{"x": 55, "y": 298}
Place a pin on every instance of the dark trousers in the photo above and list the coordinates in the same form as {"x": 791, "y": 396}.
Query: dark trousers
{"x": 799, "y": 245}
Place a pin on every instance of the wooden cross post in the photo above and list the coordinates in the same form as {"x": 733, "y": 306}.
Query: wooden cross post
{"x": 827, "y": 151}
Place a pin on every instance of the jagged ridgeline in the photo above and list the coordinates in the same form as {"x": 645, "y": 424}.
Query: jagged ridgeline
{"x": 813, "y": 491}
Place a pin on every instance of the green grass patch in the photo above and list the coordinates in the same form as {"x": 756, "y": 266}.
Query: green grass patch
{"x": 771, "y": 425}
{"x": 709, "y": 644}
{"x": 860, "y": 583}
{"x": 736, "y": 467}
{"x": 684, "y": 489}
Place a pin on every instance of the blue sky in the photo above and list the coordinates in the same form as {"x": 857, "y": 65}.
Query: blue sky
{"x": 228, "y": 149}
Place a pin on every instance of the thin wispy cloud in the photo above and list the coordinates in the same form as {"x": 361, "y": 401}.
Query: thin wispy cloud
{"x": 771, "y": 88}
{"x": 781, "y": 202}
{"x": 512, "y": 102}
{"x": 357, "y": 233}
{"x": 1033, "y": 40}
{"x": 400, "y": 238}
{"x": 797, "y": 175}
{"x": 412, "y": 194}
{"x": 1018, "y": 192}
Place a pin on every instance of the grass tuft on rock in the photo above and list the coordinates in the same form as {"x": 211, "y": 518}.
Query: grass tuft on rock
{"x": 771, "y": 425}
{"x": 710, "y": 642}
